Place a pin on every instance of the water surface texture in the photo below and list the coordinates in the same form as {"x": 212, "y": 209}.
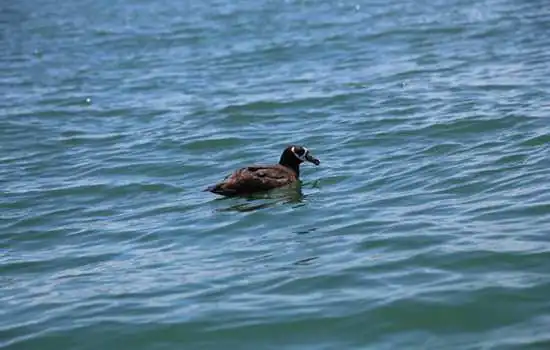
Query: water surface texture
{"x": 426, "y": 226}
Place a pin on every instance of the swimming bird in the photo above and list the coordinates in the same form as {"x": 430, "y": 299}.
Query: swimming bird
{"x": 260, "y": 178}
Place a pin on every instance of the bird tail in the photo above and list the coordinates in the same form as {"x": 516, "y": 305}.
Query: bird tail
{"x": 212, "y": 188}
{"x": 220, "y": 189}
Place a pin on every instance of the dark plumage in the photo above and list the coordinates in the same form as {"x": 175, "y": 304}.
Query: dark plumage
{"x": 261, "y": 178}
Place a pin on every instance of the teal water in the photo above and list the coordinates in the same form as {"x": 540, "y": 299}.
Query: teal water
{"x": 426, "y": 226}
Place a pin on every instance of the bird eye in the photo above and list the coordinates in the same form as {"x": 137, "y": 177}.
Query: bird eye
{"x": 300, "y": 153}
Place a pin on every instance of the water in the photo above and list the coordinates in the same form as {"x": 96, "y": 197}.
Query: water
{"x": 425, "y": 226}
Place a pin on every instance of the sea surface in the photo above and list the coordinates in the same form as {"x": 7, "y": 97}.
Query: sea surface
{"x": 426, "y": 225}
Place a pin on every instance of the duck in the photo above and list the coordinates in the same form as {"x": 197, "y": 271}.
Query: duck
{"x": 254, "y": 179}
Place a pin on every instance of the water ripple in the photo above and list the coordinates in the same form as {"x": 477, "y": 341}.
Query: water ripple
{"x": 424, "y": 226}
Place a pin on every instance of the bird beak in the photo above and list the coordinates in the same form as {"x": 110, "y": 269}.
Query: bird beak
{"x": 312, "y": 159}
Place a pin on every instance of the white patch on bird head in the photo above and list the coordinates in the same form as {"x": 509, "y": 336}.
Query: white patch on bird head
{"x": 300, "y": 157}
